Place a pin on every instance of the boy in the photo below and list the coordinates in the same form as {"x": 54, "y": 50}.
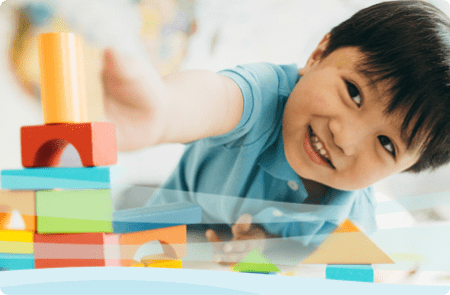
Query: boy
{"x": 266, "y": 141}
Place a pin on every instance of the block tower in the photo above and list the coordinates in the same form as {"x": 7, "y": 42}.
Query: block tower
{"x": 348, "y": 253}
{"x": 54, "y": 216}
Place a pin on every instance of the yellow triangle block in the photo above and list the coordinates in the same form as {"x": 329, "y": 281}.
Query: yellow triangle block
{"x": 347, "y": 245}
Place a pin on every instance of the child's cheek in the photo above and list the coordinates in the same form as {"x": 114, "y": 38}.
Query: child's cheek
{"x": 322, "y": 104}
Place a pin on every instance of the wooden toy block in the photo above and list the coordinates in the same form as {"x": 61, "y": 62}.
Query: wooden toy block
{"x": 10, "y": 261}
{"x": 173, "y": 238}
{"x": 16, "y": 242}
{"x": 42, "y": 145}
{"x": 76, "y": 250}
{"x": 174, "y": 263}
{"x": 153, "y": 217}
{"x": 255, "y": 262}
{"x": 357, "y": 273}
{"x": 13, "y": 221}
{"x": 156, "y": 254}
{"x": 111, "y": 249}
{"x": 61, "y": 177}
{"x": 74, "y": 211}
{"x": 347, "y": 245}
{"x": 63, "y": 83}
{"x": 23, "y": 202}
{"x": 148, "y": 251}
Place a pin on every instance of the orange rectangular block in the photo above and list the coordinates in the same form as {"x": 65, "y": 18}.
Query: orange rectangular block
{"x": 174, "y": 236}
{"x": 17, "y": 210}
{"x": 42, "y": 145}
{"x": 76, "y": 250}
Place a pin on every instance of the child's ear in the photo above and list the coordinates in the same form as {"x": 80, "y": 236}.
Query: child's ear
{"x": 316, "y": 55}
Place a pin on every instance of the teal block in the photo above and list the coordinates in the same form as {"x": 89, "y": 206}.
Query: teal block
{"x": 153, "y": 217}
{"x": 61, "y": 177}
{"x": 16, "y": 261}
{"x": 350, "y": 272}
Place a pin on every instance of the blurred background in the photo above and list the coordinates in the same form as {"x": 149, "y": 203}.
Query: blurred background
{"x": 177, "y": 35}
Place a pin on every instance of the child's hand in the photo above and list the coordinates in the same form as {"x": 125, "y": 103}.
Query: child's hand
{"x": 179, "y": 108}
{"x": 134, "y": 100}
{"x": 246, "y": 237}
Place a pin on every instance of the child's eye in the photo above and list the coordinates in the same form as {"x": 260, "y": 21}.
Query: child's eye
{"x": 354, "y": 93}
{"x": 387, "y": 144}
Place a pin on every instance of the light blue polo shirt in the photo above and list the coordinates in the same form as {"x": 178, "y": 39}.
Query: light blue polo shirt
{"x": 246, "y": 171}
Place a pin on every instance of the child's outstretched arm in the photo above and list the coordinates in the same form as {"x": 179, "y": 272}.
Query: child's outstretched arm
{"x": 149, "y": 109}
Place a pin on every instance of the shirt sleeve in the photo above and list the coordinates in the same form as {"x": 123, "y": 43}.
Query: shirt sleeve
{"x": 262, "y": 85}
{"x": 310, "y": 224}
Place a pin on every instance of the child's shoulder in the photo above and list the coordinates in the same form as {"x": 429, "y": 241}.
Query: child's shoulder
{"x": 266, "y": 76}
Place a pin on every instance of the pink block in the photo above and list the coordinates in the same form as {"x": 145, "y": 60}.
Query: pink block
{"x": 76, "y": 250}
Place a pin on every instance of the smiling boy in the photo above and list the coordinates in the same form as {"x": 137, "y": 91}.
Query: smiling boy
{"x": 266, "y": 140}
{"x": 338, "y": 119}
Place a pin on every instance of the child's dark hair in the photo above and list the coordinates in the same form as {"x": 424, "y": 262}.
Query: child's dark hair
{"x": 407, "y": 44}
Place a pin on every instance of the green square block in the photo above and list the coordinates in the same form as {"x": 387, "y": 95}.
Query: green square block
{"x": 74, "y": 211}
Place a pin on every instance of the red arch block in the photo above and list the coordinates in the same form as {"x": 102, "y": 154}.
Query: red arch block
{"x": 42, "y": 145}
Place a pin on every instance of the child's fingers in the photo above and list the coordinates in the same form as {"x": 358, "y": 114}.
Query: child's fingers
{"x": 244, "y": 246}
{"x": 120, "y": 66}
{"x": 216, "y": 244}
{"x": 226, "y": 259}
{"x": 243, "y": 225}
{"x": 109, "y": 61}
{"x": 236, "y": 246}
{"x": 212, "y": 236}
{"x": 217, "y": 247}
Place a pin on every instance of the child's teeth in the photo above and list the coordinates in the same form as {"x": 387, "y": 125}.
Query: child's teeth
{"x": 319, "y": 146}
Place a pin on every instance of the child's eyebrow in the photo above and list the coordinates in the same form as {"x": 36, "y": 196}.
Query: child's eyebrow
{"x": 404, "y": 136}
{"x": 371, "y": 82}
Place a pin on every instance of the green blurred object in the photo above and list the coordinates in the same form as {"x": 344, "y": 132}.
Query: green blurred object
{"x": 256, "y": 262}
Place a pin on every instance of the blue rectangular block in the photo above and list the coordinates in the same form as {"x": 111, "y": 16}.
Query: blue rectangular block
{"x": 61, "y": 177}
{"x": 16, "y": 261}
{"x": 153, "y": 217}
{"x": 350, "y": 272}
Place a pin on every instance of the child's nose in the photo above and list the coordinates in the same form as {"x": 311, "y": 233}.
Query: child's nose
{"x": 347, "y": 136}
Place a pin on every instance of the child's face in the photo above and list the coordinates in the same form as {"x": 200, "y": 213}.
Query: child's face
{"x": 359, "y": 145}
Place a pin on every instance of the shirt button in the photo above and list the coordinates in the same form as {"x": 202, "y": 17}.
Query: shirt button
{"x": 277, "y": 213}
{"x": 293, "y": 185}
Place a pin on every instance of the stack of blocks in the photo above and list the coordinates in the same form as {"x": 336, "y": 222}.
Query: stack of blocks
{"x": 63, "y": 216}
{"x": 349, "y": 254}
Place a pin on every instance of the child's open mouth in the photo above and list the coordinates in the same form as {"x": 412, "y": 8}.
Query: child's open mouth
{"x": 318, "y": 147}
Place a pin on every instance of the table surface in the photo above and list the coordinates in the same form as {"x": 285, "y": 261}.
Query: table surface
{"x": 288, "y": 255}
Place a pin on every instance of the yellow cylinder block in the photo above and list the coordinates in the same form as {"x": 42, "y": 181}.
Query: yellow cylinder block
{"x": 63, "y": 93}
